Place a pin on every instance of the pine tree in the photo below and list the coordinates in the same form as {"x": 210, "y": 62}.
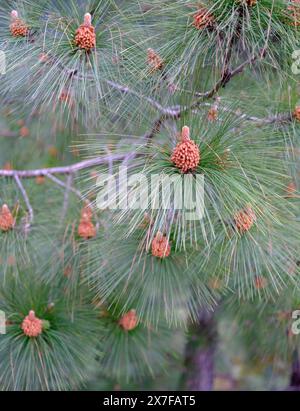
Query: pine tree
{"x": 100, "y": 297}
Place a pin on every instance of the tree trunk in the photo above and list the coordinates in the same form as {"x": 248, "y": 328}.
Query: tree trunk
{"x": 295, "y": 375}
{"x": 200, "y": 354}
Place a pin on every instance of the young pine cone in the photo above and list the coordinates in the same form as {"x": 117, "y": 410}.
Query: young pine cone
{"x": 244, "y": 219}
{"x": 86, "y": 228}
{"x": 160, "y": 246}
{"x": 186, "y": 155}
{"x": 154, "y": 60}
{"x": 260, "y": 282}
{"x": 17, "y": 27}
{"x": 129, "y": 321}
{"x": 291, "y": 190}
{"x": 6, "y": 219}
{"x": 85, "y": 36}
{"x": 31, "y": 325}
{"x": 212, "y": 113}
{"x": 203, "y": 19}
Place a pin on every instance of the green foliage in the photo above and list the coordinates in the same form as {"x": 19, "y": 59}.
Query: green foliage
{"x": 60, "y": 358}
{"x": 109, "y": 105}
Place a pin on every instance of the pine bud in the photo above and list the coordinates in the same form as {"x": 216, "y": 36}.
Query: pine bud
{"x": 17, "y": 27}
{"x": 129, "y": 321}
{"x": 213, "y": 113}
{"x": 160, "y": 246}
{"x": 6, "y": 219}
{"x": 186, "y": 155}
{"x": 244, "y": 219}
{"x": 154, "y": 60}
{"x": 260, "y": 282}
{"x": 203, "y": 19}
{"x": 86, "y": 228}
{"x": 40, "y": 180}
{"x": 24, "y": 131}
{"x": 85, "y": 36}
{"x": 291, "y": 190}
{"x": 31, "y": 325}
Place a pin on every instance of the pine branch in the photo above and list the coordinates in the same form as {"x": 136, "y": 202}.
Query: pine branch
{"x": 25, "y": 197}
{"x": 67, "y": 196}
{"x": 65, "y": 186}
{"x": 116, "y": 86}
{"x": 177, "y": 111}
{"x": 64, "y": 170}
{"x": 279, "y": 118}
{"x": 227, "y": 76}
{"x": 8, "y": 133}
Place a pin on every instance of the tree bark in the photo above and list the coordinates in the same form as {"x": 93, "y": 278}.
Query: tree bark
{"x": 200, "y": 352}
{"x": 295, "y": 375}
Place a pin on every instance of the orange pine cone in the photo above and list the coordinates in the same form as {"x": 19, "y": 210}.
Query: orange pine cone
{"x": 8, "y": 166}
{"x": 24, "y": 131}
{"x": 296, "y": 113}
{"x": 154, "y": 60}
{"x": 260, "y": 282}
{"x": 85, "y": 36}
{"x": 291, "y": 190}
{"x": 40, "y": 180}
{"x": 86, "y": 213}
{"x": 31, "y": 325}
{"x": 244, "y": 219}
{"x": 18, "y": 27}
{"x": 212, "y": 114}
{"x": 6, "y": 219}
{"x": 160, "y": 246}
{"x": 203, "y": 19}
{"x": 129, "y": 321}
{"x": 186, "y": 155}
{"x": 86, "y": 228}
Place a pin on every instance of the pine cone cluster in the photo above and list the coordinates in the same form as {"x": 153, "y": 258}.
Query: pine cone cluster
{"x": 160, "y": 246}
{"x": 154, "y": 60}
{"x": 85, "y": 36}
{"x": 31, "y": 325}
{"x": 203, "y": 19}
{"x": 186, "y": 155}
{"x": 6, "y": 219}
{"x": 129, "y": 321}
{"x": 212, "y": 113}
{"x": 244, "y": 219}
{"x": 86, "y": 228}
{"x": 18, "y": 27}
